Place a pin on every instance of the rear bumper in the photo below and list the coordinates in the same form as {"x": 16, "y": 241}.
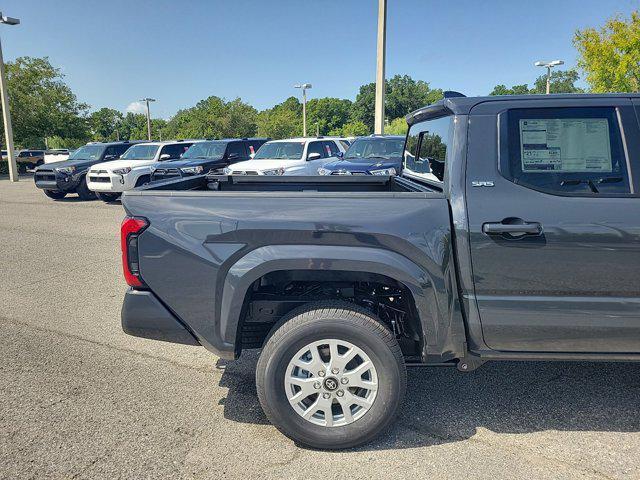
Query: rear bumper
{"x": 144, "y": 316}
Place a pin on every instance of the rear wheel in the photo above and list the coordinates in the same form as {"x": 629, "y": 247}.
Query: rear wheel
{"x": 108, "y": 197}
{"x": 83, "y": 191}
{"x": 55, "y": 194}
{"x": 331, "y": 376}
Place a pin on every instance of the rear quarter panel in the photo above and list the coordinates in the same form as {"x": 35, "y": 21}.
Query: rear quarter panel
{"x": 194, "y": 238}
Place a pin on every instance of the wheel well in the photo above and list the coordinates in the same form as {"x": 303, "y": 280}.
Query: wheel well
{"x": 143, "y": 179}
{"x": 277, "y": 293}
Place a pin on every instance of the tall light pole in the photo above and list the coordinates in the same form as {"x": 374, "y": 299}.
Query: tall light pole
{"x": 147, "y": 100}
{"x": 6, "y": 114}
{"x": 549, "y": 66}
{"x": 304, "y": 87}
{"x": 380, "y": 61}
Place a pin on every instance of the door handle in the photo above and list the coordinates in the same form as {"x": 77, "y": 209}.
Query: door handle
{"x": 512, "y": 226}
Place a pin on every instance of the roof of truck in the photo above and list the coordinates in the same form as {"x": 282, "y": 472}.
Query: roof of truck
{"x": 461, "y": 105}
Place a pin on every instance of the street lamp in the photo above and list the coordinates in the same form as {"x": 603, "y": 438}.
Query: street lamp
{"x": 6, "y": 114}
{"x": 549, "y": 66}
{"x": 146, "y": 101}
{"x": 304, "y": 87}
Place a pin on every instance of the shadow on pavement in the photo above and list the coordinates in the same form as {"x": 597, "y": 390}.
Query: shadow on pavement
{"x": 443, "y": 405}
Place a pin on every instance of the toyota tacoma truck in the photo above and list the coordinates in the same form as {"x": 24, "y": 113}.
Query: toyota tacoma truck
{"x": 513, "y": 233}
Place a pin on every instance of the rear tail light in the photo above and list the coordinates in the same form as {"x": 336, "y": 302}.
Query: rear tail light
{"x": 130, "y": 229}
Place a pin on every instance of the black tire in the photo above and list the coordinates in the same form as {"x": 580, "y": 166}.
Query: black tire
{"x": 345, "y": 322}
{"x": 107, "y": 197}
{"x": 55, "y": 194}
{"x": 83, "y": 191}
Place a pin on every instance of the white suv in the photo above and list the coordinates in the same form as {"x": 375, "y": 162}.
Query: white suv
{"x": 133, "y": 168}
{"x": 293, "y": 156}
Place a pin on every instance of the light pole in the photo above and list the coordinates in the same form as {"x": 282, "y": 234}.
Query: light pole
{"x": 549, "y": 66}
{"x": 378, "y": 126}
{"x": 6, "y": 114}
{"x": 147, "y": 100}
{"x": 304, "y": 87}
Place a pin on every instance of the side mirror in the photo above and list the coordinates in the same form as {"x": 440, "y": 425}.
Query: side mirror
{"x": 233, "y": 156}
{"x": 340, "y": 154}
{"x": 313, "y": 156}
{"x": 165, "y": 156}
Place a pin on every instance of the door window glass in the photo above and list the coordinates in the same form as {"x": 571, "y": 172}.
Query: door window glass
{"x": 566, "y": 151}
{"x": 426, "y": 149}
{"x": 316, "y": 147}
{"x": 238, "y": 148}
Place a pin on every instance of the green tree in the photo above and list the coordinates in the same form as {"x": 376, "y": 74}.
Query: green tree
{"x": 562, "y": 81}
{"x": 213, "y": 117}
{"x": 515, "y": 90}
{"x": 281, "y": 121}
{"x": 610, "y": 56}
{"x": 327, "y": 114}
{"x": 41, "y": 104}
{"x": 104, "y": 124}
{"x": 352, "y": 129}
{"x": 398, "y": 126}
{"x": 403, "y": 95}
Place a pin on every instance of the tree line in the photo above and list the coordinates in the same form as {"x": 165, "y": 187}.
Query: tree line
{"x": 46, "y": 111}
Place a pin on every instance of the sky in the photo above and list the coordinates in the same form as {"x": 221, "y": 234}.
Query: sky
{"x": 179, "y": 52}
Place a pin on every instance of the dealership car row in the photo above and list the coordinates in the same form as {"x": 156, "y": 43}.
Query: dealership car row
{"x": 106, "y": 169}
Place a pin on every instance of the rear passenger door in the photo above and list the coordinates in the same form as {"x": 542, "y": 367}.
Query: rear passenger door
{"x": 236, "y": 152}
{"x": 554, "y": 224}
{"x": 313, "y": 165}
{"x": 174, "y": 152}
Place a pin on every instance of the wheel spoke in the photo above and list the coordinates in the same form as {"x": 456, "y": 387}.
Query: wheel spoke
{"x": 346, "y": 409}
{"x": 314, "y": 365}
{"x": 313, "y": 408}
{"x": 366, "y": 384}
{"x": 306, "y": 388}
{"x": 358, "y": 371}
{"x": 340, "y": 361}
{"x": 352, "y": 399}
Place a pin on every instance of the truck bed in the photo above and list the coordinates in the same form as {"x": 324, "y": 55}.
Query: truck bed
{"x": 263, "y": 183}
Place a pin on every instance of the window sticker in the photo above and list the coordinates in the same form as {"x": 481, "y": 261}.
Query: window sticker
{"x": 565, "y": 145}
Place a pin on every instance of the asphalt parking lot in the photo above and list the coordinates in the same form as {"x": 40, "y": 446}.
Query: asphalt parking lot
{"x": 80, "y": 399}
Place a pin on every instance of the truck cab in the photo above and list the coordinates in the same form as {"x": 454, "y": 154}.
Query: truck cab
{"x": 512, "y": 233}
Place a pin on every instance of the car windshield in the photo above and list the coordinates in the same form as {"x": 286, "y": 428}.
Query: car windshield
{"x": 280, "y": 151}
{"x": 372, "y": 148}
{"x": 206, "y": 150}
{"x": 140, "y": 152}
{"x": 88, "y": 152}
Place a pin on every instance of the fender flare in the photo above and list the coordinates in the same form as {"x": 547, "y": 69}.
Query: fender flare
{"x": 267, "y": 259}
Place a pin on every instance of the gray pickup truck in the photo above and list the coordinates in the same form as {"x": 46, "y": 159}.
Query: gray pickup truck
{"x": 512, "y": 234}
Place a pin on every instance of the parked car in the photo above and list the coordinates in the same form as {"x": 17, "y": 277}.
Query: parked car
{"x": 29, "y": 159}
{"x": 374, "y": 155}
{"x": 109, "y": 179}
{"x": 210, "y": 155}
{"x": 294, "y": 156}
{"x": 60, "y": 178}
{"x": 56, "y": 155}
{"x": 512, "y": 234}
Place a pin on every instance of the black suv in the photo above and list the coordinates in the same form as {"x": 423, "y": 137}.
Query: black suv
{"x": 59, "y": 178}
{"x": 210, "y": 155}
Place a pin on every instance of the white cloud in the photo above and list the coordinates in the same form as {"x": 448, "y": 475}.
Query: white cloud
{"x": 136, "y": 107}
